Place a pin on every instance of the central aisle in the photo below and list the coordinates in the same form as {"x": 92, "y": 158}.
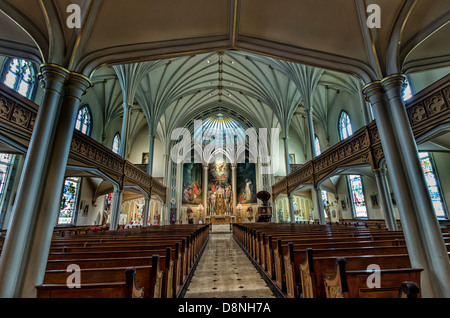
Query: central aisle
{"x": 224, "y": 271}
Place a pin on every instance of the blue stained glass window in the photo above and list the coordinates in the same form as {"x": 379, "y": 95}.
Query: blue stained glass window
{"x": 345, "y": 125}
{"x": 324, "y": 201}
{"x": 5, "y": 164}
{"x": 357, "y": 195}
{"x": 116, "y": 143}
{"x": 84, "y": 120}
{"x": 317, "y": 146}
{"x": 20, "y": 76}
{"x": 407, "y": 92}
{"x": 433, "y": 184}
{"x": 69, "y": 201}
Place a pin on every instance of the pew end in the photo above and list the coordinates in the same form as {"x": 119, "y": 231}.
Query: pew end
{"x": 394, "y": 283}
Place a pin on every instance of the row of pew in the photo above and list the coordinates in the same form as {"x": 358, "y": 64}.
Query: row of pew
{"x": 332, "y": 261}
{"x": 147, "y": 262}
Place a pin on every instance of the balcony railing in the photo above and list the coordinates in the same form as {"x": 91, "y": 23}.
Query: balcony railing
{"x": 17, "y": 117}
{"x": 426, "y": 111}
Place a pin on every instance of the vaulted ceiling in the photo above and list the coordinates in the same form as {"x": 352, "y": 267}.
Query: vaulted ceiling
{"x": 258, "y": 60}
{"x": 327, "y": 34}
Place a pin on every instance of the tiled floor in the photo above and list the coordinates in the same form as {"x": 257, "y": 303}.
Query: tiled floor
{"x": 224, "y": 271}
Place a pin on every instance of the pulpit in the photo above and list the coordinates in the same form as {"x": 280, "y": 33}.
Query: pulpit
{"x": 264, "y": 211}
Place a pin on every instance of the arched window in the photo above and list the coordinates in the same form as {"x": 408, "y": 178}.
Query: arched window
{"x": 357, "y": 195}
{"x": 69, "y": 201}
{"x": 433, "y": 183}
{"x": 5, "y": 165}
{"x": 20, "y": 76}
{"x": 317, "y": 146}
{"x": 407, "y": 92}
{"x": 344, "y": 125}
{"x": 84, "y": 120}
{"x": 116, "y": 143}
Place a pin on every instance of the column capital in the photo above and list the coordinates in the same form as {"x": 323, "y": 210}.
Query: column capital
{"x": 381, "y": 170}
{"x": 77, "y": 84}
{"x": 373, "y": 92}
{"x": 393, "y": 85}
{"x": 126, "y": 106}
{"x": 53, "y": 77}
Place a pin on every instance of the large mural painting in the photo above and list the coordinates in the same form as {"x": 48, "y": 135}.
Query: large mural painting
{"x": 219, "y": 181}
{"x": 192, "y": 184}
{"x": 246, "y": 183}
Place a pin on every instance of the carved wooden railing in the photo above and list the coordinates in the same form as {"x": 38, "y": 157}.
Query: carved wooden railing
{"x": 426, "y": 111}
{"x": 17, "y": 117}
{"x": 430, "y": 107}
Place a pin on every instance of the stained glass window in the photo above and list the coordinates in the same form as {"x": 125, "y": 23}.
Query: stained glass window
{"x": 407, "y": 92}
{"x": 317, "y": 146}
{"x": 116, "y": 143}
{"x": 357, "y": 194}
{"x": 345, "y": 125}
{"x": 223, "y": 132}
{"x": 324, "y": 200}
{"x": 20, "y": 75}
{"x": 5, "y": 164}
{"x": 69, "y": 201}
{"x": 84, "y": 120}
{"x": 433, "y": 184}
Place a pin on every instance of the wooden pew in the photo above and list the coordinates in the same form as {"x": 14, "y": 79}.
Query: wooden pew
{"x": 315, "y": 269}
{"x": 124, "y": 286}
{"x": 353, "y": 283}
{"x": 105, "y": 252}
{"x": 121, "y": 259}
{"x": 292, "y": 260}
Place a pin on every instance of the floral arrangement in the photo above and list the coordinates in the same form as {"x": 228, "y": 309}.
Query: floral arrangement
{"x": 189, "y": 210}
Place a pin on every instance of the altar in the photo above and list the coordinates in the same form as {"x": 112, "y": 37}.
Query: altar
{"x": 220, "y": 219}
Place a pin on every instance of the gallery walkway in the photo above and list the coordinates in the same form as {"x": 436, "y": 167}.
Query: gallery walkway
{"x": 225, "y": 271}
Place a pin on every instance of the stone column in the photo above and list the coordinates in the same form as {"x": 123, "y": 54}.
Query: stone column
{"x": 146, "y": 211}
{"x": 286, "y": 155}
{"x": 151, "y": 147}
{"x": 317, "y": 197}
{"x": 423, "y": 237}
{"x": 179, "y": 191}
{"x": 17, "y": 242}
{"x": 437, "y": 264}
{"x": 385, "y": 198}
{"x": 291, "y": 207}
{"x": 205, "y": 188}
{"x": 115, "y": 209}
{"x": 311, "y": 132}
{"x": 125, "y": 124}
{"x": 233, "y": 186}
{"x": 41, "y": 213}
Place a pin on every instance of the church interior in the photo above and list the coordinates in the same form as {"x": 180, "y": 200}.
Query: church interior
{"x": 233, "y": 120}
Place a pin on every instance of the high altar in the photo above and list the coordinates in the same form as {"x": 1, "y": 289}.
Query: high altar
{"x": 220, "y": 188}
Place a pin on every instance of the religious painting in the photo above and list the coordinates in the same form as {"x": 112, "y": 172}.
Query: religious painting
{"x": 145, "y": 158}
{"x": 219, "y": 183}
{"x": 192, "y": 184}
{"x": 374, "y": 200}
{"x": 246, "y": 183}
{"x": 292, "y": 159}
